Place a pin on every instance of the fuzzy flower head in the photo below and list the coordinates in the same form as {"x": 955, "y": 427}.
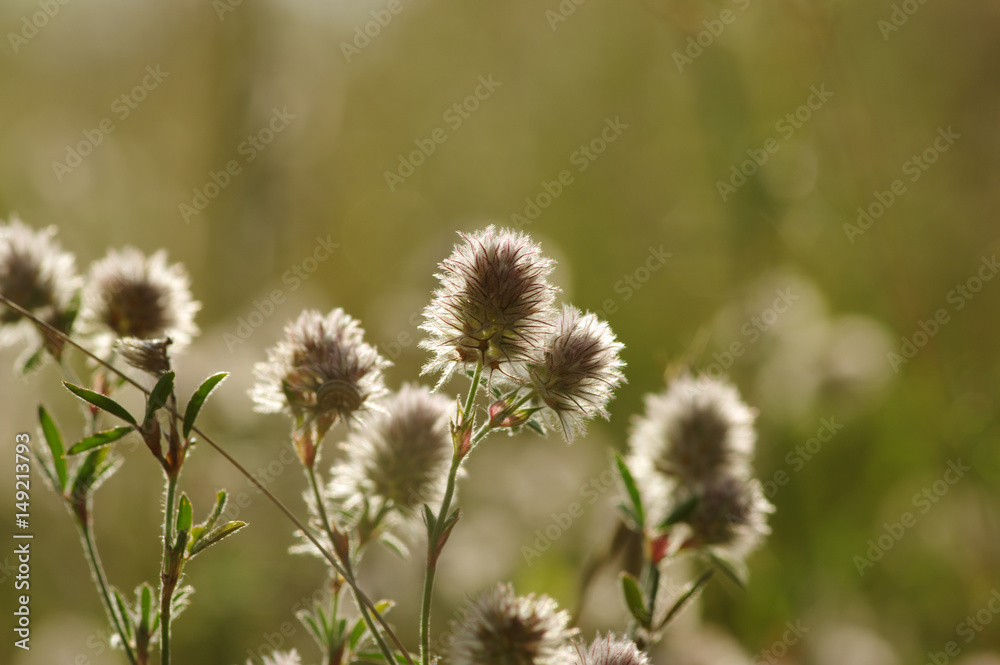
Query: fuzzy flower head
{"x": 34, "y": 271}
{"x": 129, "y": 294}
{"x": 494, "y": 304}
{"x": 322, "y": 372}
{"x": 699, "y": 429}
{"x": 148, "y": 355}
{"x": 731, "y": 515}
{"x": 580, "y": 371}
{"x": 500, "y": 628}
{"x": 400, "y": 459}
{"x": 610, "y": 650}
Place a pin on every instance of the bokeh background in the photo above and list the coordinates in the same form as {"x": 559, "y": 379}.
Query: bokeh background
{"x": 559, "y": 71}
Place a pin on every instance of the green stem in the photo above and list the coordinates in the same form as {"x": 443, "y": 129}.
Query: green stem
{"x": 168, "y": 572}
{"x": 349, "y": 573}
{"x": 434, "y": 534}
{"x": 97, "y": 570}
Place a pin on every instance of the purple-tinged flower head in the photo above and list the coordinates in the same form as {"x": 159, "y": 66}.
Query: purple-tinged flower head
{"x": 322, "y": 372}
{"x": 129, "y": 294}
{"x": 695, "y": 431}
{"x": 399, "y": 461}
{"x": 37, "y": 275}
{"x": 494, "y": 304}
{"x": 731, "y": 516}
{"x": 579, "y": 372}
{"x": 148, "y": 355}
{"x": 500, "y": 628}
{"x": 610, "y": 650}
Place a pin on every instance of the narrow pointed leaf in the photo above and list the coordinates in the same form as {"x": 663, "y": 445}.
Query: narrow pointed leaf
{"x": 31, "y": 362}
{"x": 98, "y": 440}
{"x": 215, "y": 535}
{"x": 55, "y": 443}
{"x": 681, "y": 512}
{"x": 123, "y": 613}
{"x": 309, "y": 621}
{"x": 633, "y": 492}
{"x": 356, "y": 633}
{"x": 429, "y": 518}
{"x": 184, "y": 514}
{"x": 198, "y": 400}
{"x": 729, "y": 570}
{"x": 633, "y": 600}
{"x": 101, "y": 402}
{"x": 687, "y": 596}
{"x": 145, "y": 608}
{"x": 159, "y": 395}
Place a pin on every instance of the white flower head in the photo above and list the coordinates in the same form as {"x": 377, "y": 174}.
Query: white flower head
{"x": 399, "y": 461}
{"x": 500, "y": 628}
{"x": 730, "y": 516}
{"x": 579, "y": 373}
{"x": 610, "y": 650}
{"x": 34, "y": 271}
{"x": 129, "y": 294}
{"x": 494, "y": 305}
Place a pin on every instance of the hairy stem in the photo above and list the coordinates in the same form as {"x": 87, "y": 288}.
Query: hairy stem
{"x": 328, "y": 528}
{"x": 359, "y": 594}
{"x": 97, "y": 570}
{"x": 435, "y": 531}
{"x": 168, "y": 571}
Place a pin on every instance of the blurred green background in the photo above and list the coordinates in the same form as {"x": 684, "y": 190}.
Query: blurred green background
{"x": 345, "y": 110}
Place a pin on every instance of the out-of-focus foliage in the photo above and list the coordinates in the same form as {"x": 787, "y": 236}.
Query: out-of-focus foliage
{"x": 642, "y": 235}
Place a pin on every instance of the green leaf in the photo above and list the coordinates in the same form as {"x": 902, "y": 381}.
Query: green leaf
{"x": 729, "y": 569}
{"x": 123, "y": 613}
{"x": 185, "y": 514}
{"x": 633, "y": 492}
{"x": 681, "y": 512}
{"x": 31, "y": 362}
{"x": 633, "y": 599}
{"x": 215, "y": 535}
{"x": 309, "y": 621}
{"x": 91, "y": 472}
{"x": 98, "y": 440}
{"x": 209, "y": 523}
{"x": 356, "y": 633}
{"x": 159, "y": 395}
{"x": 145, "y": 593}
{"x": 429, "y": 518}
{"x": 198, "y": 400}
{"x": 394, "y": 544}
{"x": 101, "y": 402}
{"x": 537, "y": 426}
{"x": 686, "y": 597}
{"x": 55, "y": 442}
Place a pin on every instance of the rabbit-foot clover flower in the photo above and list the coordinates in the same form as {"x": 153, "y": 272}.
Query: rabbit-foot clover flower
{"x": 610, "y": 650}
{"x": 399, "y": 461}
{"x": 695, "y": 431}
{"x": 493, "y": 306}
{"x": 148, "y": 355}
{"x": 500, "y": 628}
{"x": 579, "y": 373}
{"x": 322, "y": 372}
{"x": 37, "y": 275}
{"x": 730, "y": 516}
{"x": 129, "y": 294}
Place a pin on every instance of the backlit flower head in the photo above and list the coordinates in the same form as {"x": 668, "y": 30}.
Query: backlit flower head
{"x": 697, "y": 430}
{"x": 129, "y": 294}
{"x": 610, "y": 650}
{"x": 579, "y": 372}
{"x": 34, "y": 271}
{"x": 149, "y": 355}
{"x": 322, "y": 372}
{"x": 731, "y": 515}
{"x": 494, "y": 304}
{"x": 400, "y": 458}
{"x": 500, "y": 628}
